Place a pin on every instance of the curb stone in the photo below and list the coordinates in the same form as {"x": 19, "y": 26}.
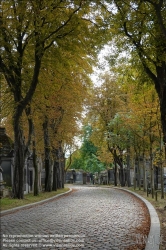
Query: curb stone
{"x": 153, "y": 240}
{"x": 33, "y": 204}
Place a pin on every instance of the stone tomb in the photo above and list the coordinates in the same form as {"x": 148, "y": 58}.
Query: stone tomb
{"x": 74, "y": 176}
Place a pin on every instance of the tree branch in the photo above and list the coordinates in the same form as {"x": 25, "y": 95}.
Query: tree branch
{"x": 7, "y": 73}
{"x": 65, "y": 23}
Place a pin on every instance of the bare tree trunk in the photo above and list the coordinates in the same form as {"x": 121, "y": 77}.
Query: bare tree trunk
{"x": 19, "y": 161}
{"x": 35, "y": 165}
{"x": 63, "y": 170}
{"x": 54, "y": 185}
{"x": 162, "y": 170}
{"x": 58, "y": 175}
{"x": 60, "y": 168}
{"x": 144, "y": 174}
{"x": 151, "y": 172}
{"x": 20, "y": 151}
{"x": 118, "y": 160}
{"x": 48, "y": 166}
{"x": 162, "y": 182}
{"x": 135, "y": 176}
{"x": 122, "y": 181}
{"x": 128, "y": 167}
{"x": 139, "y": 174}
{"x": 57, "y": 169}
{"x": 62, "y": 165}
{"x": 115, "y": 174}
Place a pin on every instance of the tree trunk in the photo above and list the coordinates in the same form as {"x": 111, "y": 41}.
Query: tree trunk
{"x": 138, "y": 174}
{"x": 122, "y": 176}
{"x": 128, "y": 167}
{"x": 118, "y": 160}
{"x": 161, "y": 90}
{"x": 48, "y": 165}
{"x": 59, "y": 175}
{"x": 144, "y": 174}
{"x": 60, "y": 169}
{"x": 54, "y": 185}
{"x": 20, "y": 150}
{"x": 62, "y": 165}
{"x": 55, "y": 181}
{"x": 151, "y": 172}
{"x": 162, "y": 169}
{"x": 115, "y": 174}
{"x": 35, "y": 165}
{"x": 162, "y": 181}
{"x": 156, "y": 177}
{"x": 19, "y": 161}
{"x": 63, "y": 171}
{"x": 135, "y": 174}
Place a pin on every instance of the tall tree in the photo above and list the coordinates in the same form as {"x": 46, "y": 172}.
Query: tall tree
{"x": 108, "y": 100}
{"x": 144, "y": 25}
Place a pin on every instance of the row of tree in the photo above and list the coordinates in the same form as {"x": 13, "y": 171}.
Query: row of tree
{"x": 47, "y": 51}
{"x": 142, "y": 24}
{"x": 139, "y": 29}
{"x": 126, "y": 125}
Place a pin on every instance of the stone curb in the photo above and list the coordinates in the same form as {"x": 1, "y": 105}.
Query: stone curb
{"x": 33, "y": 204}
{"x": 153, "y": 240}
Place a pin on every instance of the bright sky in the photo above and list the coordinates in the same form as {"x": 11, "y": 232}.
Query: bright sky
{"x": 107, "y": 51}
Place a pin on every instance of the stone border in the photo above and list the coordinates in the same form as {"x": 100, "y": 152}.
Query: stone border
{"x": 33, "y": 204}
{"x": 153, "y": 240}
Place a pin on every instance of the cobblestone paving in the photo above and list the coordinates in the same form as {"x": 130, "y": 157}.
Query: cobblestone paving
{"x": 88, "y": 218}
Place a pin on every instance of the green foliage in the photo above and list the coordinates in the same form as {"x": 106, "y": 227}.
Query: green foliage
{"x": 93, "y": 164}
{"x": 52, "y": 38}
{"x": 88, "y": 149}
{"x": 87, "y": 158}
{"x": 140, "y": 28}
{"x": 77, "y": 163}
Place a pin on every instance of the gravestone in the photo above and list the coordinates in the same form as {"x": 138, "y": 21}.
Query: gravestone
{"x": 1, "y": 180}
{"x": 6, "y": 155}
{"x": 79, "y": 177}
{"x": 69, "y": 176}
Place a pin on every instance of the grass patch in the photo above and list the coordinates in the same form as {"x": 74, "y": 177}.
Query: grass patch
{"x": 8, "y": 203}
{"x": 160, "y": 203}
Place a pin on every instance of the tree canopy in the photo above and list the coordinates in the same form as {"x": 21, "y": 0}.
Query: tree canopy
{"x": 48, "y": 50}
{"x": 33, "y": 35}
{"x": 140, "y": 26}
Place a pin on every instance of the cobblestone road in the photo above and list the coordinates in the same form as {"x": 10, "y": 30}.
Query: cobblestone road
{"x": 88, "y": 218}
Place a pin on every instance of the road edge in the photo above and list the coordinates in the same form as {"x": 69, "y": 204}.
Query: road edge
{"x": 33, "y": 204}
{"x": 153, "y": 240}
